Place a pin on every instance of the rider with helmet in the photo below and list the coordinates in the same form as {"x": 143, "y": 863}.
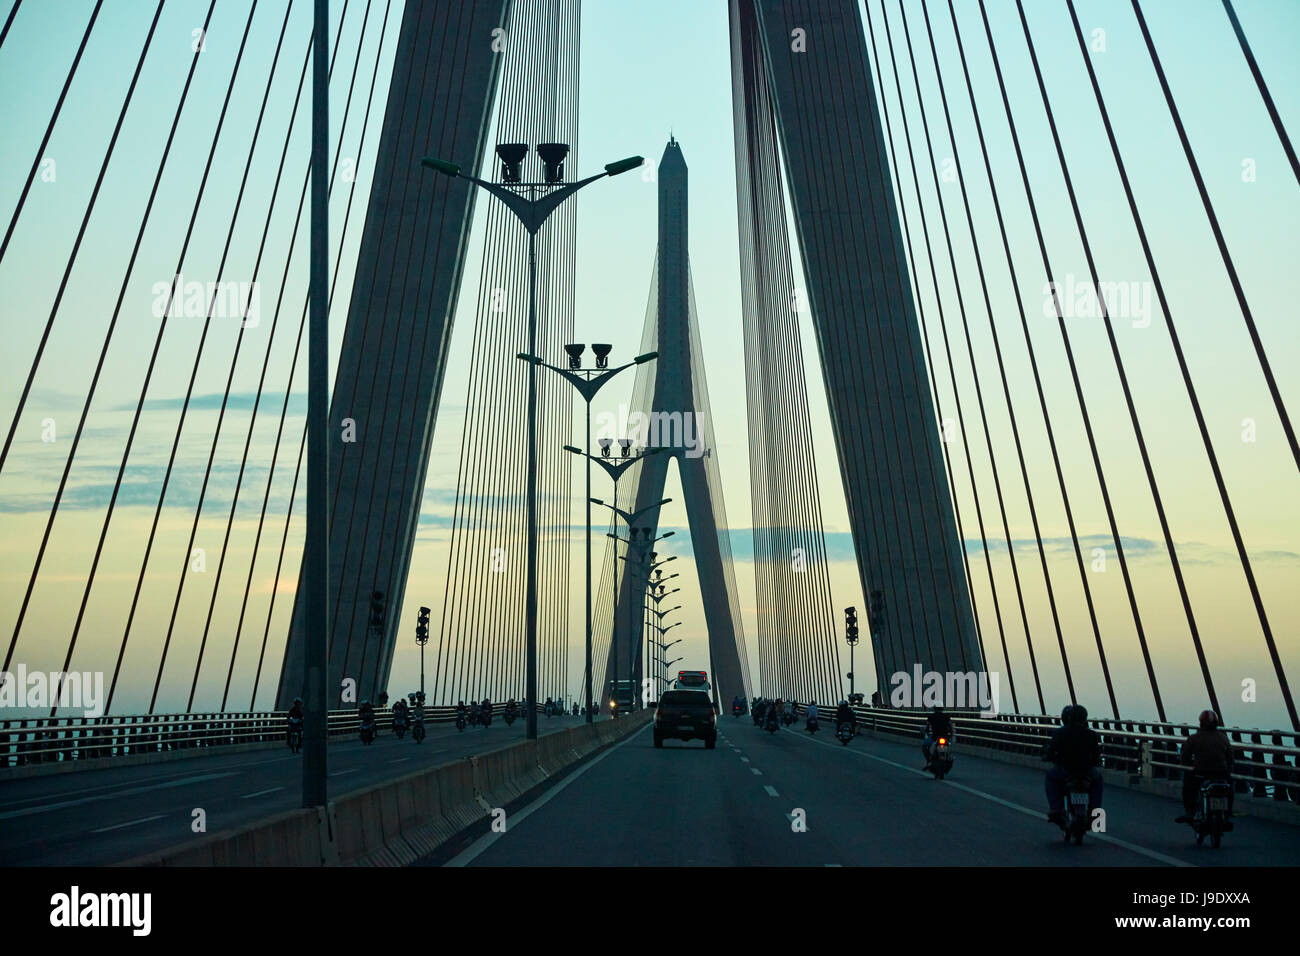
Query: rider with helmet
{"x": 845, "y": 714}
{"x": 1208, "y": 755}
{"x": 1075, "y": 751}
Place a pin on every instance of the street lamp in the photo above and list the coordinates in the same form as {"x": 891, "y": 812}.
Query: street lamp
{"x": 663, "y": 632}
{"x": 649, "y": 585}
{"x": 629, "y": 517}
{"x": 615, "y": 470}
{"x": 532, "y": 211}
{"x": 588, "y": 382}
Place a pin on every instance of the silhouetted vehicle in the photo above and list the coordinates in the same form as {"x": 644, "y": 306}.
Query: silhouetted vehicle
{"x": 941, "y": 759}
{"x": 844, "y": 732}
{"x": 686, "y": 715}
{"x": 1075, "y": 822}
{"x": 295, "y": 734}
{"x": 1212, "y": 812}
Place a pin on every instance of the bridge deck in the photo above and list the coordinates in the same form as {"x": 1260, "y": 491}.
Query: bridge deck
{"x": 865, "y": 804}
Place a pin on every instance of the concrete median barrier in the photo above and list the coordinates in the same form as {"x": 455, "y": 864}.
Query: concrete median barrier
{"x": 405, "y": 819}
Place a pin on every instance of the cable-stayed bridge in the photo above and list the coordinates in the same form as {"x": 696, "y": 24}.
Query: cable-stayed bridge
{"x": 998, "y": 246}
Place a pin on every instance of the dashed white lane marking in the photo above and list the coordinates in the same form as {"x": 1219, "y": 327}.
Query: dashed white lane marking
{"x": 755, "y": 771}
{"x": 129, "y": 823}
{"x": 339, "y": 773}
{"x": 400, "y": 760}
{"x": 771, "y": 791}
{"x": 744, "y": 760}
{"x": 261, "y": 793}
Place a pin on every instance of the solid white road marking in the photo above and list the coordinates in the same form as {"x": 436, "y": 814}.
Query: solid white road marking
{"x": 260, "y": 793}
{"x": 1036, "y": 814}
{"x": 129, "y": 823}
{"x": 476, "y": 849}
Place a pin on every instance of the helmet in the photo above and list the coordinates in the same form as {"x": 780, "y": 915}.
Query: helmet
{"x": 1079, "y": 714}
{"x": 297, "y": 700}
{"x": 844, "y": 703}
{"x": 1208, "y": 720}
{"x": 1065, "y": 714}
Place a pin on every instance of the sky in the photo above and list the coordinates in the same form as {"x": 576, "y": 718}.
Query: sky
{"x": 645, "y": 77}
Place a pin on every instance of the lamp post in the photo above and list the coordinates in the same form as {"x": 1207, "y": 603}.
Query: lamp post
{"x": 615, "y": 471}
{"x": 663, "y": 631}
{"x": 532, "y": 211}
{"x": 630, "y": 518}
{"x": 649, "y": 569}
{"x": 588, "y": 382}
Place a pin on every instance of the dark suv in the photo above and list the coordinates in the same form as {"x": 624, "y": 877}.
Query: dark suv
{"x": 686, "y": 715}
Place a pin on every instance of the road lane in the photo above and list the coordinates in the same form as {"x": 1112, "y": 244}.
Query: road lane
{"x": 864, "y": 804}
{"x": 108, "y": 814}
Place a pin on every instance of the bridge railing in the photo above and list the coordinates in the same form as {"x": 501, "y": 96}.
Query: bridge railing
{"x": 1266, "y": 763}
{"x": 36, "y": 740}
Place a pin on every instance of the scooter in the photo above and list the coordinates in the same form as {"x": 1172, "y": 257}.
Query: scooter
{"x": 417, "y": 731}
{"x": 1212, "y": 815}
{"x": 1075, "y": 823}
{"x": 399, "y": 726}
{"x": 460, "y": 720}
{"x": 844, "y": 732}
{"x": 811, "y": 726}
{"x": 941, "y": 758}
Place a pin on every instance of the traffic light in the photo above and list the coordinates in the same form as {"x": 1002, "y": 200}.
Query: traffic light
{"x": 851, "y": 625}
{"x": 422, "y": 627}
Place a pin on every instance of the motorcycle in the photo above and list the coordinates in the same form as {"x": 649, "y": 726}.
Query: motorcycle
{"x": 811, "y": 726}
{"x": 486, "y": 717}
{"x": 771, "y": 724}
{"x": 1075, "y": 823}
{"x": 735, "y": 710}
{"x": 417, "y": 731}
{"x": 295, "y": 734}
{"x": 550, "y": 710}
{"x": 844, "y": 732}
{"x": 941, "y": 758}
{"x": 788, "y": 717}
{"x": 510, "y": 716}
{"x": 460, "y": 720}
{"x": 758, "y": 715}
{"x": 1212, "y": 815}
{"x": 399, "y": 725}
{"x": 367, "y": 730}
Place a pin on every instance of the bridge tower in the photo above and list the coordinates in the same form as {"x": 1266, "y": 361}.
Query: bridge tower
{"x": 677, "y": 420}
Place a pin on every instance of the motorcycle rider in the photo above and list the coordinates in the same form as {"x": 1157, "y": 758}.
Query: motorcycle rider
{"x": 1208, "y": 755}
{"x": 417, "y": 715}
{"x": 485, "y": 711}
{"x": 295, "y": 713}
{"x": 937, "y": 725}
{"x": 1075, "y": 751}
{"x": 550, "y": 707}
{"x": 811, "y": 714}
{"x": 400, "y": 712}
{"x": 844, "y": 714}
{"x": 366, "y": 713}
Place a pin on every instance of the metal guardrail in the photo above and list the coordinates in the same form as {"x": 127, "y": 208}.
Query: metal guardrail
{"x": 37, "y": 740}
{"x": 1142, "y": 748}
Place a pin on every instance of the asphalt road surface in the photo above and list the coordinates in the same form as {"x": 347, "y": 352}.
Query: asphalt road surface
{"x": 111, "y": 814}
{"x": 864, "y": 804}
